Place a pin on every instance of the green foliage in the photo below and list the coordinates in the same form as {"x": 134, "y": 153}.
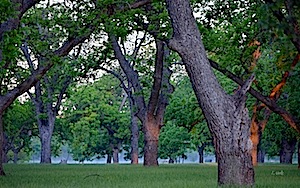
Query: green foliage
{"x": 19, "y": 126}
{"x": 7, "y": 10}
{"x": 173, "y": 142}
{"x": 184, "y": 111}
{"x": 94, "y": 119}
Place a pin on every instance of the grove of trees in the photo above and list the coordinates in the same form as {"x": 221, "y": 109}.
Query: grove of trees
{"x": 153, "y": 78}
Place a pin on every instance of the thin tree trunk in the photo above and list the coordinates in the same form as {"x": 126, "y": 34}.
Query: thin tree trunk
{"x": 151, "y": 131}
{"x": 261, "y": 155}
{"x": 5, "y": 148}
{"x": 201, "y": 153}
{"x": 108, "y": 160}
{"x": 116, "y": 154}
{"x": 287, "y": 151}
{"x": 2, "y": 173}
{"x": 135, "y": 132}
{"x": 45, "y": 137}
{"x": 227, "y": 116}
{"x": 16, "y": 158}
{"x": 298, "y": 152}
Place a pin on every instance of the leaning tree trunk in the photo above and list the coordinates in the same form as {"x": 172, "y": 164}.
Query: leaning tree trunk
{"x": 151, "y": 131}
{"x": 227, "y": 116}
{"x": 1, "y": 145}
{"x": 287, "y": 151}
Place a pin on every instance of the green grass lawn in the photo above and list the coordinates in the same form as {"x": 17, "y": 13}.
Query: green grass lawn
{"x": 43, "y": 176}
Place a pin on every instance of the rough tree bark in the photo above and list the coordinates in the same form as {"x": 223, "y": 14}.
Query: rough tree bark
{"x": 226, "y": 115}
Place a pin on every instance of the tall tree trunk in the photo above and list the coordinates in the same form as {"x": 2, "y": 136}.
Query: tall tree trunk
{"x": 135, "y": 133}
{"x": 201, "y": 152}
{"x": 1, "y": 145}
{"x": 287, "y": 151}
{"x": 151, "y": 131}
{"x": 227, "y": 116}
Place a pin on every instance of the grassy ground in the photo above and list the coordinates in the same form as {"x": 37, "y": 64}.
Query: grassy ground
{"x": 165, "y": 176}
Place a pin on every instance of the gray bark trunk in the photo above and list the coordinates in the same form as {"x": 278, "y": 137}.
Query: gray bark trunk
{"x": 116, "y": 150}
{"x": 287, "y": 151}
{"x": 226, "y": 115}
{"x": 2, "y": 173}
{"x": 45, "y": 137}
{"x": 16, "y": 156}
{"x": 134, "y": 153}
{"x": 298, "y": 152}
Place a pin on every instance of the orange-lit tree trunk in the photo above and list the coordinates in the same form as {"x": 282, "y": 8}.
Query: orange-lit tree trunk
{"x": 151, "y": 114}
{"x": 257, "y": 128}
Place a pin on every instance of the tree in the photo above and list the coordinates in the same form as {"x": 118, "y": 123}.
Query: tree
{"x": 18, "y": 128}
{"x": 226, "y": 115}
{"x": 173, "y": 142}
{"x": 185, "y": 112}
{"x": 97, "y": 125}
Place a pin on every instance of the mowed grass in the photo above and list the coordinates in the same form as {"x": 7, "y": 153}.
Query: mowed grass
{"x": 164, "y": 176}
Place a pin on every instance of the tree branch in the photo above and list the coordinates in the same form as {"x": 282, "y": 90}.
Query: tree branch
{"x": 290, "y": 119}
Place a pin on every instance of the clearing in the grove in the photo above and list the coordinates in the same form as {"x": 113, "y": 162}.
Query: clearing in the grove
{"x": 183, "y": 175}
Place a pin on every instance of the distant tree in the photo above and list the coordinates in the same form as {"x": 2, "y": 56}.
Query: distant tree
{"x": 96, "y": 124}
{"x": 19, "y": 127}
{"x": 173, "y": 142}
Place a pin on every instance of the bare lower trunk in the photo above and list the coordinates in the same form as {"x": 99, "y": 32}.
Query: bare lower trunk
{"x": 287, "y": 151}
{"x": 108, "y": 160}
{"x": 1, "y": 145}
{"x": 171, "y": 161}
{"x": 116, "y": 155}
{"x": 134, "y": 153}
{"x": 298, "y": 151}
{"x": 261, "y": 155}
{"x": 151, "y": 135}
{"x": 16, "y": 157}
{"x": 45, "y": 145}
{"x": 201, "y": 153}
